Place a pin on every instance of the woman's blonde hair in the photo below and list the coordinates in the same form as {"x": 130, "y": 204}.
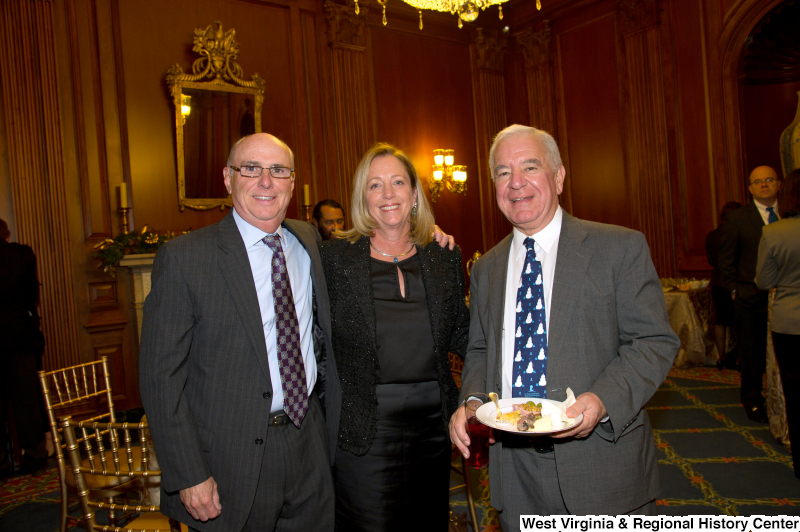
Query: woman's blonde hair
{"x": 363, "y": 224}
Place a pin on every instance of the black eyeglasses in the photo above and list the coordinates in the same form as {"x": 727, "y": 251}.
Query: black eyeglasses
{"x": 768, "y": 180}
{"x": 277, "y": 172}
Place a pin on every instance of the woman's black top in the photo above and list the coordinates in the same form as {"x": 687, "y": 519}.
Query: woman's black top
{"x": 403, "y": 357}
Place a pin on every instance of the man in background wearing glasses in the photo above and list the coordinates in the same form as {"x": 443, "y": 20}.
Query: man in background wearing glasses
{"x": 236, "y": 361}
{"x": 738, "y": 251}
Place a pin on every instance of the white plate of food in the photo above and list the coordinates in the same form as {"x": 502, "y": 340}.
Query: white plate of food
{"x": 517, "y": 413}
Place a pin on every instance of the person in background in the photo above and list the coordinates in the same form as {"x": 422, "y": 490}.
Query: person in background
{"x": 397, "y": 309}
{"x": 21, "y": 348}
{"x": 598, "y": 326}
{"x": 779, "y": 267}
{"x": 723, "y": 305}
{"x": 736, "y": 259}
{"x": 328, "y": 217}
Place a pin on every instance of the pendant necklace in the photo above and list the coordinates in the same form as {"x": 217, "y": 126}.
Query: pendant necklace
{"x": 393, "y": 256}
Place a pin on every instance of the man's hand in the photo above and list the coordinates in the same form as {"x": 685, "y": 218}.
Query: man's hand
{"x": 202, "y": 501}
{"x": 593, "y": 411}
{"x": 459, "y": 434}
{"x": 458, "y": 431}
{"x": 442, "y": 238}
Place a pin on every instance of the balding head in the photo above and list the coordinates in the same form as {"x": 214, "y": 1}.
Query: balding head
{"x": 259, "y": 137}
{"x": 764, "y": 185}
{"x": 261, "y": 201}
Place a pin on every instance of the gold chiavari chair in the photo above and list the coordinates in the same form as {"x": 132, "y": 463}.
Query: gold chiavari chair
{"x": 456, "y": 365}
{"x": 109, "y": 452}
{"x": 83, "y": 390}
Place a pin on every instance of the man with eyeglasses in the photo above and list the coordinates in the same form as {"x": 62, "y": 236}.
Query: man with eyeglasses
{"x": 738, "y": 252}
{"x": 236, "y": 363}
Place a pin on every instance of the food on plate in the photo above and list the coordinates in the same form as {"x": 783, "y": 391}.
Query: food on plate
{"x": 509, "y": 418}
{"x": 543, "y": 424}
{"x": 522, "y": 415}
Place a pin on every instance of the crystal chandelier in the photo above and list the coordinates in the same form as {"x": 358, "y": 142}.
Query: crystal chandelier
{"x": 467, "y": 10}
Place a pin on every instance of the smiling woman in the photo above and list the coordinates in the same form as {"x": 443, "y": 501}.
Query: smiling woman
{"x": 397, "y": 309}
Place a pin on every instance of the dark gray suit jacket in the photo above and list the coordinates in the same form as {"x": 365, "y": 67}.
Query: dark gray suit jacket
{"x": 204, "y": 374}
{"x": 610, "y": 335}
{"x": 737, "y": 254}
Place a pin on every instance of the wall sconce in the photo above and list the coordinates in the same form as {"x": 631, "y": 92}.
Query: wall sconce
{"x": 186, "y": 106}
{"x": 445, "y": 172}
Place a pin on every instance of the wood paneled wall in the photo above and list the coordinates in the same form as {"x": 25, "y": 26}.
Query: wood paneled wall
{"x": 36, "y": 162}
{"x": 643, "y": 97}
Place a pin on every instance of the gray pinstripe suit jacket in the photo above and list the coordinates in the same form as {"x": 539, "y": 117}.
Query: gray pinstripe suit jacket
{"x": 204, "y": 374}
{"x": 609, "y": 334}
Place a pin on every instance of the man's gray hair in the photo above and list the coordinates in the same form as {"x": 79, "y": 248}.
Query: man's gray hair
{"x": 547, "y": 140}
{"x": 276, "y": 139}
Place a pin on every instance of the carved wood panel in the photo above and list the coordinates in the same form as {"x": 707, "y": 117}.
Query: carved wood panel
{"x": 645, "y": 131}
{"x": 352, "y": 91}
{"x": 490, "y": 117}
{"x": 536, "y": 50}
{"x": 588, "y": 101}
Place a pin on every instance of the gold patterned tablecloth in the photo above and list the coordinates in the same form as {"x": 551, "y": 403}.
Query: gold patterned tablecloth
{"x": 776, "y": 404}
{"x": 691, "y": 313}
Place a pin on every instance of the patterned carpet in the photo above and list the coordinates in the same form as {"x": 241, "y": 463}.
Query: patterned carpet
{"x": 714, "y": 460}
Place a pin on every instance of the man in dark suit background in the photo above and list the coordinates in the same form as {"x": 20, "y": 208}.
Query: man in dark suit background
{"x": 236, "y": 416}
{"x": 21, "y": 345}
{"x": 328, "y": 217}
{"x": 737, "y": 257}
{"x": 608, "y": 338}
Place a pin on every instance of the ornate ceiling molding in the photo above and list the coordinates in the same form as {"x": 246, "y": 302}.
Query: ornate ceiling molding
{"x": 636, "y": 15}
{"x": 491, "y": 48}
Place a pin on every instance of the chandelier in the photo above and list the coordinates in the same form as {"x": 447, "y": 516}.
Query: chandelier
{"x": 467, "y": 10}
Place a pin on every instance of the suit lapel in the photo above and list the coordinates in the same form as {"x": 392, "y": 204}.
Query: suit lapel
{"x": 571, "y": 264}
{"x": 498, "y": 271}
{"x": 755, "y": 216}
{"x": 238, "y": 276}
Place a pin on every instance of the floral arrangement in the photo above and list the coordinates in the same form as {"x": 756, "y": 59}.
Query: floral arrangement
{"x": 111, "y": 250}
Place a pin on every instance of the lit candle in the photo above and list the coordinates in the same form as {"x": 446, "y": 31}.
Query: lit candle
{"x": 306, "y": 195}
{"x": 123, "y": 196}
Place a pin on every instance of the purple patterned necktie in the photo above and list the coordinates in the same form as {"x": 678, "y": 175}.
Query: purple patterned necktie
{"x": 290, "y": 360}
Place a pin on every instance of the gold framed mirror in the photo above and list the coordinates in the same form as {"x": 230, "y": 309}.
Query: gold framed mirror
{"x": 210, "y": 116}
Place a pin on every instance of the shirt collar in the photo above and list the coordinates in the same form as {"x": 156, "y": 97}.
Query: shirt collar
{"x": 546, "y": 238}
{"x": 765, "y": 207}
{"x": 253, "y": 235}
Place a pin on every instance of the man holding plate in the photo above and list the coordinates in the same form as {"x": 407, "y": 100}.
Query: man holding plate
{"x": 565, "y": 303}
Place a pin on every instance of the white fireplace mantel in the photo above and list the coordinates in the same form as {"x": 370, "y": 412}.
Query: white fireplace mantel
{"x": 140, "y": 268}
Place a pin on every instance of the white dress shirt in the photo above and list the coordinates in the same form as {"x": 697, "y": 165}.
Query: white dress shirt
{"x": 546, "y": 246}
{"x": 762, "y": 210}
{"x": 298, "y": 265}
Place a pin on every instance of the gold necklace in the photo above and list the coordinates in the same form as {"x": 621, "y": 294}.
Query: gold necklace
{"x": 393, "y": 256}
